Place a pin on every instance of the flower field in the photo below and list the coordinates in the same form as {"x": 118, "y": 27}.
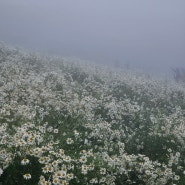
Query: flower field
{"x": 64, "y": 121}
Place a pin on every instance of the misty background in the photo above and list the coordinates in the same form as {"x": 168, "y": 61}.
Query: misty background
{"x": 149, "y": 35}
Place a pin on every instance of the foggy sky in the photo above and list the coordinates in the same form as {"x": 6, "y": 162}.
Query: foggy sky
{"x": 147, "y": 34}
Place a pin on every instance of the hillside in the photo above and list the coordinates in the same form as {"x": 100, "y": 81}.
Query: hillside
{"x": 64, "y": 121}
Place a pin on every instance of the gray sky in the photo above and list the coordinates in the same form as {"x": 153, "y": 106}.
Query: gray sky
{"x": 148, "y": 34}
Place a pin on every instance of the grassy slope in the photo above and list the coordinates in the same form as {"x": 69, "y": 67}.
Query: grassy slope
{"x": 120, "y": 122}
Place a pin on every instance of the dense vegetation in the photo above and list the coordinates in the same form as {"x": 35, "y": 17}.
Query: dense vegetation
{"x": 66, "y": 122}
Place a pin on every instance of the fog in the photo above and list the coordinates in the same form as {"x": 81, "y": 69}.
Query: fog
{"x": 145, "y": 34}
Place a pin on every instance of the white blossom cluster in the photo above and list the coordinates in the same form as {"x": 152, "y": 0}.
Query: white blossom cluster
{"x": 64, "y": 121}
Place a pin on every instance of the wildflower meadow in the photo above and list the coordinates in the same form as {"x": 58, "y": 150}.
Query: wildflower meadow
{"x": 64, "y": 121}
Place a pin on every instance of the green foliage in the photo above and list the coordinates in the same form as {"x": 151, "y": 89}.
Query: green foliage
{"x": 13, "y": 175}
